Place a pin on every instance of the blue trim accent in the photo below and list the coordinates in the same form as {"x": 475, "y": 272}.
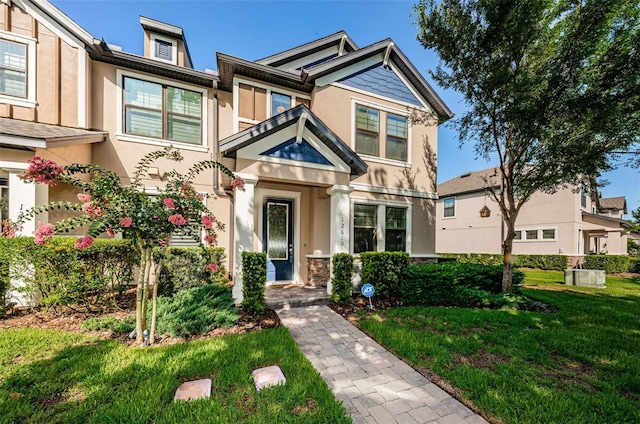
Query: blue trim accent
{"x": 382, "y": 81}
{"x": 303, "y": 152}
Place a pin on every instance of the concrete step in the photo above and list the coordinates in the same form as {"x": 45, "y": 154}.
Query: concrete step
{"x": 294, "y": 296}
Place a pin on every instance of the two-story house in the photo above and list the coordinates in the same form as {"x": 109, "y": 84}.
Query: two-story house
{"x": 336, "y": 143}
{"x": 572, "y": 221}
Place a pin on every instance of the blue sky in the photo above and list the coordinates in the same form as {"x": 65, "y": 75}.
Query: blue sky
{"x": 255, "y": 29}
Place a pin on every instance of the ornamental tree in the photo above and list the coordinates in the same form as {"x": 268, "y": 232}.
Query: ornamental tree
{"x": 552, "y": 89}
{"x": 106, "y": 205}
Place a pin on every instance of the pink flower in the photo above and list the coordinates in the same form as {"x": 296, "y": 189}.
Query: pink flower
{"x": 211, "y": 268}
{"x": 42, "y": 171}
{"x": 207, "y": 221}
{"x": 200, "y": 197}
{"x": 9, "y": 228}
{"x": 211, "y": 239}
{"x": 84, "y": 197}
{"x": 177, "y": 219}
{"x": 92, "y": 210}
{"x": 169, "y": 203}
{"x": 126, "y": 221}
{"x": 43, "y": 233}
{"x": 237, "y": 183}
{"x": 84, "y": 242}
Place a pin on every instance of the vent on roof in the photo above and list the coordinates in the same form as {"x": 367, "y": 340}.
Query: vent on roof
{"x": 468, "y": 174}
{"x": 163, "y": 50}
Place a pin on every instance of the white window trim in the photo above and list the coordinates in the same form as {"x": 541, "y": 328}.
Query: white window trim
{"x": 398, "y": 112}
{"x": 269, "y": 88}
{"x": 523, "y": 232}
{"x": 455, "y": 209}
{"x": 30, "y": 100}
{"x": 122, "y": 136}
{"x": 381, "y": 216}
{"x": 174, "y": 49}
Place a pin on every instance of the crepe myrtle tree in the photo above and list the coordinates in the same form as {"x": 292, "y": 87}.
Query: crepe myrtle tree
{"x": 106, "y": 205}
{"x": 552, "y": 89}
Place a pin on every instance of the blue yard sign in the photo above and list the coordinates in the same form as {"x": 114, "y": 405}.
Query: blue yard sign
{"x": 368, "y": 291}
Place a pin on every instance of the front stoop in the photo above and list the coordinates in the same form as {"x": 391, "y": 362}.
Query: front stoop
{"x": 295, "y": 296}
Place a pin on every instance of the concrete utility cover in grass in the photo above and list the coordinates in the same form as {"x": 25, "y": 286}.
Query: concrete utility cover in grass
{"x": 191, "y": 390}
{"x": 268, "y": 376}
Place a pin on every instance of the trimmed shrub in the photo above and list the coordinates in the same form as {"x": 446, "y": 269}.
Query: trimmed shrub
{"x": 456, "y": 284}
{"x": 611, "y": 264}
{"x": 554, "y": 262}
{"x": 123, "y": 326}
{"x": 384, "y": 271}
{"x": 634, "y": 264}
{"x": 185, "y": 267}
{"x": 254, "y": 278}
{"x": 59, "y": 274}
{"x": 474, "y": 258}
{"x": 341, "y": 286}
{"x": 196, "y": 310}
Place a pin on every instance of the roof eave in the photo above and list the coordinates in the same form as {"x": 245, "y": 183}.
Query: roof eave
{"x": 289, "y": 55}
{"x": 229, "y": 66}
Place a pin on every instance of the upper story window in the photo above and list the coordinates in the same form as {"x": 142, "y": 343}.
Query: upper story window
{"x": 13, "y": 68}
{"x": 162, "y": 111}
{"x": 380, "y": 227}
{"x": 583, "y": 195}
{"x": 164, "y": 49}
{"x": 449, "y": 207}
{"x": 257, "y": 102}
{"x": 381, "y": 133}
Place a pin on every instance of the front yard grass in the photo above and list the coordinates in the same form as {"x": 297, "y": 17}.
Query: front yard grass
{"x": 580, "y": 365}
{"x": 61, "y": 377}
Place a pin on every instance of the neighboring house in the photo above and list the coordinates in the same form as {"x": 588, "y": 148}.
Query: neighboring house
{"x": 330, "y": 138}
{"x": 570, "y": 221}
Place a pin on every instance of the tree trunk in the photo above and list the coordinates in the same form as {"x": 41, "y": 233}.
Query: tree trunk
{"x": 139, "y": 298}
{"x": 154, "y": 301}
{"x": 145, "y": 296}
{"x": 507, "y": 263}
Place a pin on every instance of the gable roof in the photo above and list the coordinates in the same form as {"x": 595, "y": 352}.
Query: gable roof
{"x": 617, "y": 203}
{"x": 333, "y": 40}
{"x": 29, "y": 135}
{"x": 305, "y": 79}
{"x": 169, "y": 30}
{"x": 469, "y": 182}
{"x": 230, "y": 145}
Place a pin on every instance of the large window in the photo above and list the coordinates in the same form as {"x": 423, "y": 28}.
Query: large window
{"x": 380, "y": 133}
{"x": 13, "y": 68}
{"x": 367, "y": 129}
{"x": 397, "y": 133}
{"x": 388, "y": 222}
{"x": 449, "y": 207}
{"x": 162, "y": 111}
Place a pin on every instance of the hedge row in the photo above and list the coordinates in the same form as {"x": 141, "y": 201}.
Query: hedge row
{"x": 612, "y": 264}
{"x": 185, "y": 267}
{"x": 384, "y": 271}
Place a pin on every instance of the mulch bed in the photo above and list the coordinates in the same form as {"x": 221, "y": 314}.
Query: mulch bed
{"x": 70, "y": 319}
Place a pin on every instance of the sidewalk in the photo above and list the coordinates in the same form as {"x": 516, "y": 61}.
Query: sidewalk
{"x": 373, "y": 384}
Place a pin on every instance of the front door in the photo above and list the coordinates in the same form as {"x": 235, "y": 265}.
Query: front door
{"x": 278, "y": 236}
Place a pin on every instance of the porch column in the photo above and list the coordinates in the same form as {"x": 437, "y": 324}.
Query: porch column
{"x": 243, "y": 229}
{"x": 340, "y": 238}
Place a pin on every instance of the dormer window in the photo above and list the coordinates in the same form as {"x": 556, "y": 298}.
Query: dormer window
{"x": 164, "y": 49}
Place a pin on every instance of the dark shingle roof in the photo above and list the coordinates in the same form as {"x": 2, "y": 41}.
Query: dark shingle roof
{"x": 27, "y": 134}
{"x": 619, "y": 203}
{"x": 470, "y": 182}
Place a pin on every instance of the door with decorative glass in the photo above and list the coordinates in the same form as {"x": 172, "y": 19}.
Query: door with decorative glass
{"x": 278, "y": 237}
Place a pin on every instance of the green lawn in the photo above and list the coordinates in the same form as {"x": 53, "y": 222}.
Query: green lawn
{"x": 56, "y": 377}
{"x": 580, "y": 365}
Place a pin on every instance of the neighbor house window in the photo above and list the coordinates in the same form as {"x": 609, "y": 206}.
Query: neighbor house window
{"x": 364, "y": 228}
{"x": 532, "y": 234}
{"x": 13, "y": 68}
{"x": 279, "y": 103}
{"x": 449, "y": 207}
{"x": 162, "y": 111}
{"x": 397, "y": 133}
{"x": 395, "y": 230}
{"x": 549, "y": 234}
{"x": 367, "y": 129}
{"x": 517, "y": 235}
{"x": 583, "y": 196}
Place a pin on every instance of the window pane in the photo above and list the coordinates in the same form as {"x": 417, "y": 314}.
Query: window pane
{"x": 364, "y": 233}
{"x": 279, "y": 103}
{"x": 395, "y": 229}
{"x": 184, "y": 102}
{"x": 143, "y": 122}
{"x": 13, "y": 83}
{"x": 548, "y": 234}
{"x": 142, "y": 93}
{"x": 532, "y": 234}
{"x": 517, "y": 235}
{"x": 277, "y": 236}
{"x": 13, "y": 55}
{"x": 449, "y": 207}
{"x": 396, "y": 126}
{"x": 396, "y": 148}
{"x": 367, "y": 119}
{"x": 181, "y": 128}
{"x": 367, "y": 143}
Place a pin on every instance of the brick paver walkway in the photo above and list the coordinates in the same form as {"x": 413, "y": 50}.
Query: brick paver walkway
{"x": 373, "y": 384}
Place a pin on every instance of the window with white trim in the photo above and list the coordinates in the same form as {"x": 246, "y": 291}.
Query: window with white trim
{"x": 373, "y": 234}
{"x": 17, "y": 69}
{"x": 390, "y": 141}
{"x": 535, "y": 234}
{"x": 449, "y": 205}
{"x": 164, "y": 49}
{"x": 162, "y": 111}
